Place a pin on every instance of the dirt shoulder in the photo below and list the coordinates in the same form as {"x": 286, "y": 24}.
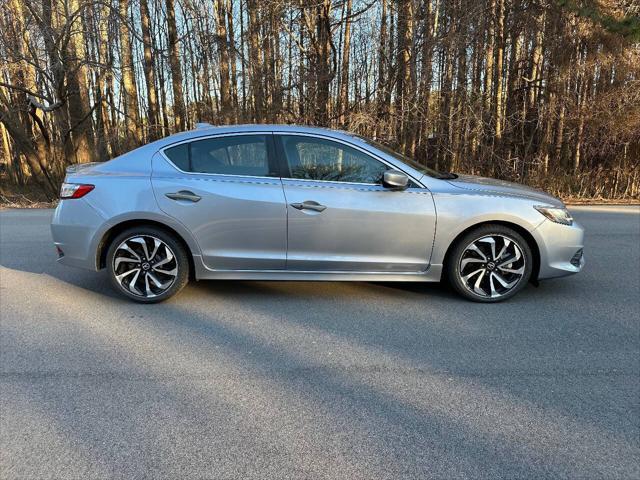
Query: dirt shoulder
{"x": 601, "y": 201}
{"x": 26, "y": 196}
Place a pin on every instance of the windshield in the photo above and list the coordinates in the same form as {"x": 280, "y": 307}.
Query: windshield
{"x": 404, "y": 159}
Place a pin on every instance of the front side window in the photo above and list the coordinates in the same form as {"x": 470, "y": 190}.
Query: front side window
{"x": 312, "y": 158}
{"x": 233, "y": 155}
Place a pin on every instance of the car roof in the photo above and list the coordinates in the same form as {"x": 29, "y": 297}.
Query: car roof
{"x": 138, "y": 159}
{"x": 204, "y": 130}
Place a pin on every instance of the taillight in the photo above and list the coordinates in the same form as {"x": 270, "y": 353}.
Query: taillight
{"x": 74, "y": 190}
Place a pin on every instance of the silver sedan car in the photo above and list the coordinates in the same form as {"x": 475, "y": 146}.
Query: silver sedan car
{"x": 275, "y": 202}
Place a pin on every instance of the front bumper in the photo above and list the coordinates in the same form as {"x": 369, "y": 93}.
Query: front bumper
{"x": 561, "y": 249}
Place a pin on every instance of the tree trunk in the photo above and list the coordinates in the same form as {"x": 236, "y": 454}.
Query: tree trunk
{"x": 255, "y": 55}
{"x": 37, "y": 164}
{"x": 430, "y": 26}
{"x": 499, "y": 76}
{"x": 536, "y": 61}
{"x": 277, "y": 105}
{"x": 301, "y": 67}
{"x": 324, "y": 73}
{"x": 58, "y": 69}
{"x": 243, "y": 69}
{"x": 179, "y": 112}
{"x": 103, "y": 126}
{"x": 405, "y": 89}
{"x": 149, "y": 71}
{"x": 582, "y": 101}
{"x": 226, "y": 97}
{"x": 382, "y": 112}
{"x": 558, "y": 143}
{"x": 129, "y": 90}
{"x": 343, "y": 99}
{"x": 80, "y": 117}
{"x": 232, "y": 60}
{"x": 488, "y": 74}
{"x": 23, "y": 75}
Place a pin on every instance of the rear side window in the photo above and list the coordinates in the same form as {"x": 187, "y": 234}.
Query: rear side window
{"x": 234, "y": 155}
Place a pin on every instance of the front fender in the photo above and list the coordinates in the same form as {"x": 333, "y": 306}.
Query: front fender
{"x": 457, "y": 212}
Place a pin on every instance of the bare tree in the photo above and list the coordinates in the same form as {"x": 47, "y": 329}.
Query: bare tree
{"x": 129, "y": 89}
{"x": 343, "y": 98}
{"x": 220, "y": 10}
{"x": 179, "y": 111}
{"x": 149, "y": 71}
{"x": 546, "y": 93}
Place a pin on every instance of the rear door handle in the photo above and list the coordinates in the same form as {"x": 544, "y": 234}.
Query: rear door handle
{"x": 309, "y": 205}
{"x": 184, "y": 195}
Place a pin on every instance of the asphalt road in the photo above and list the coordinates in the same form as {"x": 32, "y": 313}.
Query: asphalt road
{"x": 319, "y": 380}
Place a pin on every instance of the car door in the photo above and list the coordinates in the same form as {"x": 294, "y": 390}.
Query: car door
{"x": 226, "y": 190}
{"x": 341, "y": 217}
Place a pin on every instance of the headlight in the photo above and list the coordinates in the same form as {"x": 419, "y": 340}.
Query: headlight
{"x": 556, "y": 214}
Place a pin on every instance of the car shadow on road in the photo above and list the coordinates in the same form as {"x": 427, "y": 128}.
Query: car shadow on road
{"x": 451, "y": 336}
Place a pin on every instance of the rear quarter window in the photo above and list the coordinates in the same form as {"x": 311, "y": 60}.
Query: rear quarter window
{"x": 179, "y": 156}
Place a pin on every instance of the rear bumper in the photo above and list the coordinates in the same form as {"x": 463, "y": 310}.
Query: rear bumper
{"x": 74, "y": 227}
{"x": 561, "y": 249}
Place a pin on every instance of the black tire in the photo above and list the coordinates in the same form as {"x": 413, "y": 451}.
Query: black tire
{"x": 177, "y": 249}
{"x": 455, "y": 258}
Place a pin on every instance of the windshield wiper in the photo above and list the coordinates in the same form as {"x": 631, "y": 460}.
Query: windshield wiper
{"x": 447, "y": 176}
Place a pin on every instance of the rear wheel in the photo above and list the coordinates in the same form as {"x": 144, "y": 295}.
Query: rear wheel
{"x": 490, "y": 264}
{"x": 147, "y": 264}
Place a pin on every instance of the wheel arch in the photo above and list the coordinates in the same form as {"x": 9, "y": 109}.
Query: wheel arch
{"x": 531, "y": 241}
{"x": 115, "y": 230}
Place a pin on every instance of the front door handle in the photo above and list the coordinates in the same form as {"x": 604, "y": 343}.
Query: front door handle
{"x": 309, "y": 205}
{"x": 184, "y": 195}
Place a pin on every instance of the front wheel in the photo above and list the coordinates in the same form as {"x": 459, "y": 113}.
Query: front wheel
{"x": 490, "y": 264}
{"x": 147, "y": 264}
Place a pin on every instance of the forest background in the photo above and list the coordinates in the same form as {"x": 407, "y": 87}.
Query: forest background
{"x": 543, "y": 92}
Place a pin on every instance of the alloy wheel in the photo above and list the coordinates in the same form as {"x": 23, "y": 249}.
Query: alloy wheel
{"x": 145, "y": 266}
{"x": 492, "y": 266}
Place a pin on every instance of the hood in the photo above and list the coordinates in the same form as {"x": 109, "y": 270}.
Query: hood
{"x": 501, "y": 187}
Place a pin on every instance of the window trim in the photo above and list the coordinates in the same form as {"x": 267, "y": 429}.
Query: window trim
{"x": 269, "y": 141}
{"x": 283, "y": 162}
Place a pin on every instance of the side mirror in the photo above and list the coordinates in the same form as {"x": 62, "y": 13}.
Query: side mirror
{"x": 395, "y": 180}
